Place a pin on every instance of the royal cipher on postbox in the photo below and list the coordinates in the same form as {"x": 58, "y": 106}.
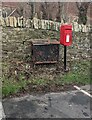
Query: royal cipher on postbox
{"x": 66, "y": 35}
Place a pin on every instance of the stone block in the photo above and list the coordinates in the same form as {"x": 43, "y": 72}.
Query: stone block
{"x": 7, "y": 21}
{"x": 24, "y": 22}
{"x": 11, "y": 21}
{"x": 19, "y": 23}
{"x": 47, "y": 24}
{"x": 15, "y": 22}
{"x": 0, "y": 21}
{"x": 42, "y": 24}
{"x": 52, "y": 25}
{"x": 35, "y": 22}
{"x": 84, "y": 28}
{"x": 57, "y": 26}
{"x": 89, "y": 28}
{"x": 75, "y": 27}
{"x": 80, "y": 28}
{"x": 28, "y": 23}
{"x": 39, "y": 24}
{"x": 3, "y": 22}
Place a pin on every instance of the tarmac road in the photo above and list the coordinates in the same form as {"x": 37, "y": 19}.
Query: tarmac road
{"x": 70, "y": 104}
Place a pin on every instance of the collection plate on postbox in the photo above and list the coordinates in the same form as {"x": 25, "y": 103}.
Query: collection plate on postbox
{"x": 66, "y": 35}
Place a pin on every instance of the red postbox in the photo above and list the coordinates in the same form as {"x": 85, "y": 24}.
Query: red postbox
{"x": 66, "y": 35}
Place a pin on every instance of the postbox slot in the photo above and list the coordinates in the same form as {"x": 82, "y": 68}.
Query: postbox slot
{"x": 68, "y": 29}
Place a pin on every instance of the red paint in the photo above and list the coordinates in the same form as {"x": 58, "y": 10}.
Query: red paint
{"x": 66, "y": 35}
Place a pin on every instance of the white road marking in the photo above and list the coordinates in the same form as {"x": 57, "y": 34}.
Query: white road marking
{"x": 83, "y": 91}
{"x": 2, "y": 115}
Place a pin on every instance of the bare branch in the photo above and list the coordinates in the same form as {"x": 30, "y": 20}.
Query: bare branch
{"x": 78, "y": 4}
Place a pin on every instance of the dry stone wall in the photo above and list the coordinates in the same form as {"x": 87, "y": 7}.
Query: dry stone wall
{"x": 16, "y": 43}
{"x": 40, "y": 24}
{"x": 16, "y": 48}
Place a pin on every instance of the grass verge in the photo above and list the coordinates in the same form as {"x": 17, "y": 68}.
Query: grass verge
{"x": 79, "y": 74}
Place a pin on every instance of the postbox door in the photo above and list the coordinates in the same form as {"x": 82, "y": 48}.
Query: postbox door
{"x": 68, "y": 37}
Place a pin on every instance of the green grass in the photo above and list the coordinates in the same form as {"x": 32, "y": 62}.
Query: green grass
{"x": 39, "y": 81}
{"x": 79, "y": 73}
{"x": 10, "y": 86}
